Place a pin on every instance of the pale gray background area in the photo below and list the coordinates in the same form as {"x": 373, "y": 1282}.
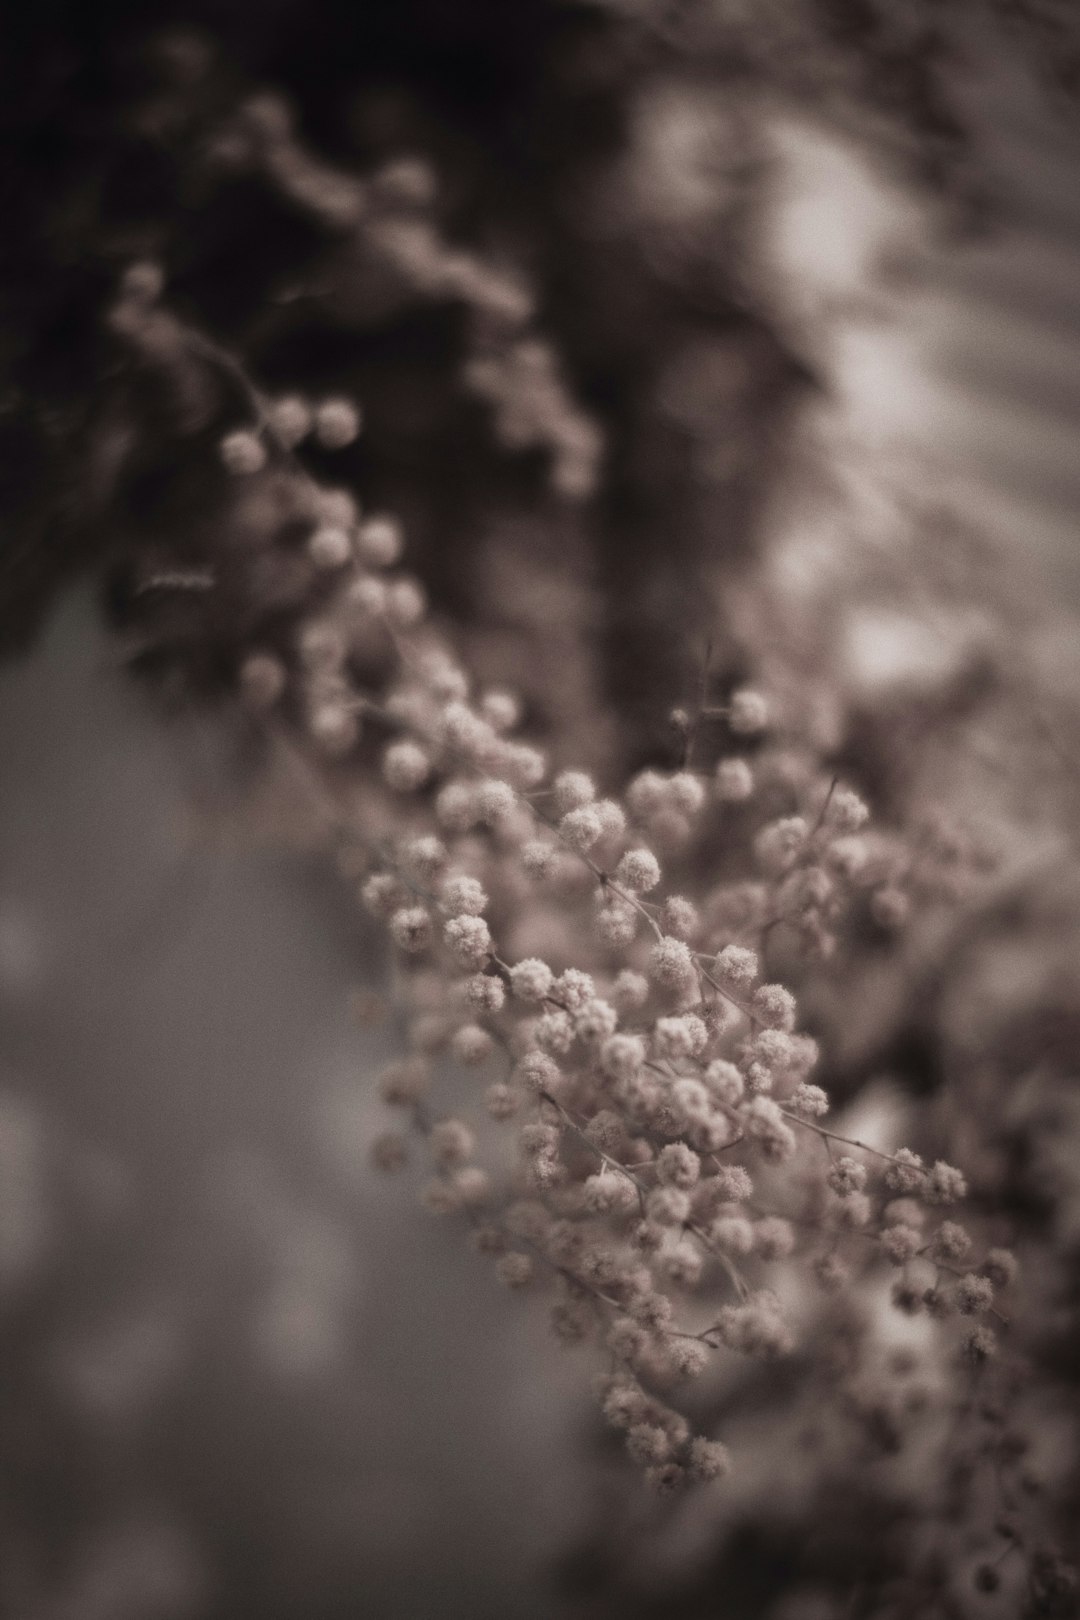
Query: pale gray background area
{"x": 248, "y": 1351}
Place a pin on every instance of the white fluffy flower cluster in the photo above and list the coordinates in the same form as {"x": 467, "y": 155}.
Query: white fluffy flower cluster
{"x": 628, "y": 1038}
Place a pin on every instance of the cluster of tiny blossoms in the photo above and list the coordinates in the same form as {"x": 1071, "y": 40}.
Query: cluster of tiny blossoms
{"x": 630, "y": 1038}
{"x": 619, "y": 1017}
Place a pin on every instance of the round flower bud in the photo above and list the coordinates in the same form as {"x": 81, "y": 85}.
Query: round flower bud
{"x": 901, "y": 1243}
{"x": 621, "y": 1056}
{"x": 679, "y": 917}
{"x": 944, "y": 1184}
{"x": 667, "y": 1206}
{"x": 774, "y": 1238}
{"x": 425, "y": 857}
{"x": 1001, "y": 1268}
{"x": 462, "y": 896}
{"x": 616, "y": 925}
{"x": 334, "y": 728}
{"x": 539, "y": 858}
{"x": 595, "y": 1021}
{"x": 367, "y": 595}
{"x": 630, "y": 991}
{"x": 455, "y": 805}
{"x": 678, "y": 1166}
{"x": 243, "y": 452}
{"x": 501, "y": 710}
{"x": 142, "y": 282}
{"x": 383, "y": 893}
{"x": 502, "y": 1101}
{"x": 734, "y": 781}
{"x": 689, "y": 1360}
{"x": 979, "y": 1345}
{"x": 405, "y": 766}
{"x": 525, "y": 767}
{"x": 403, "y": 1083}
{"x": 736, "y": 966}
{"x": 647, "y": 795}
{"x": 572, "y": 790}
{"x": 810, "y": 1101}
{"x": 670, "y": 962}
{"x": 779, "y": 843}
{"x": 724, "y": 1081}
{"x": 495, "y": 801}
{"x": 612, "y": 818}
{"x": 951, "y": 1242}
{"x": 748, "y": 712}
{"x": 514, "y": 1269}
{"x": 847, "y": 1176}
{"x": 405, "y": 603}
{"x": 906, "y": 1173}
{"x": 329, "y": 547}
{"x": 469, "y": 940}
{"x": 531, "y": 979}
{"x": 681, "y": 1036}
{"x": 581, "y": 828}
{"x": 452, "y": 1143}
{"x": 339, "y": 508}
{"x": 708, "y": 1459}
{"x": 732, "y": 1233}
{"x": 485, "y": 992}
{"x": 774, "y": 1006}
{"x": 638, "y": 871}
{"x": 411, "y": 928}
{"x": 539, "y": 1071}
{"x": 472, "y": 1186}
{"x": 554, "y": 1031}
{"x": 290, "y": 420}
{"x": 574, "y": 988}
{"x": 846, "y": 812}
{"x": 471, "y": 1044}
{"x": 832, "y": 1273}
{"x": 379, "y": 541}
{"x": 974, "y": 1295}
{"x": 686, "y": 792}
{"x": 337, "y": 423}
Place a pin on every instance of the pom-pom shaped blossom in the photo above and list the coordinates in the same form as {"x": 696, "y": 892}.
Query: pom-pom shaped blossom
{"x": 774, "y": 1006}
{"x": 906, "y": 1173}
{"x": 678, "y": 1166}
{"x": 670, "y": 962}
{"x": 243, "y": 453}
{"x": 638, "y": 871}
{"x": 621, "y": 1056}
{"x": 581, "y": 828}
{"x": 572, "y": 789}
{"x": 748, "y": 712}
{"x": 468, "y": 939}
{"x": 736, "y": 966}
{"x": 411, "y": 928}
{"x": 406, "y": 766}
{"x": 452, "y": 1143}
{"x": 462, "y": 896}
{"x": 337, "y": 423}
{"x": 531, "y": 979}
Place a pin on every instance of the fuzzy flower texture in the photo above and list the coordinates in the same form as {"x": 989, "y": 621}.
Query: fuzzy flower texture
{"x": 647, "y": 1139}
